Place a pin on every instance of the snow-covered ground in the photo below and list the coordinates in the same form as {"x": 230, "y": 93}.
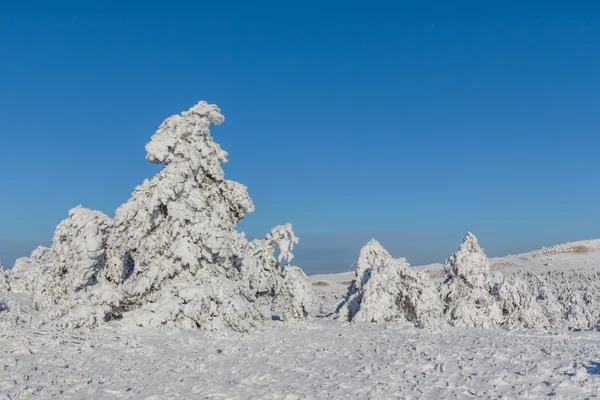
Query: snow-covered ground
{"x": 321, "y": 359}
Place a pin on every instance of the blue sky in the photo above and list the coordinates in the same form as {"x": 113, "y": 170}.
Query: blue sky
{"x": 410, "y": 122}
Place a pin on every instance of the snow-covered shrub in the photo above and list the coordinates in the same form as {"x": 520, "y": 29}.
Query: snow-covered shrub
{"x": 296, "y": 294}
{"x": 521, "y": 306}
{"x": 387, "y": 289}
{"x": 11, "y": 314}
{"x": 572, "y": 297}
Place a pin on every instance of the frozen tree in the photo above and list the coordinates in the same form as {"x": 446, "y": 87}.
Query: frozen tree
{"x": 28, "y": 273}
{"x": 3, "y": 281}
{"x": 476, "y": 297}
{"x": 285, "y": 239}
{"x": 174, "y": 249}
{"x": 466, "y": 292}
{"x": 71, "y": 285}
{"x": 171, "y": 257}
{"x": 296, "y": 294}
{"x": 387, "y": 289}
{"x": 520, "y": 306}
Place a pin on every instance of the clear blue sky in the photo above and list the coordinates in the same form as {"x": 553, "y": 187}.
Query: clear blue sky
{"x": 410, "y": 121}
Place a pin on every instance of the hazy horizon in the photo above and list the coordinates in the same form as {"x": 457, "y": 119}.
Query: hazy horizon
{"x": 326, "y": 253}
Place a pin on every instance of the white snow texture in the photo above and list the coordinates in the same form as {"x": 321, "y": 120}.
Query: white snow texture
{"x": 171, "y": 257}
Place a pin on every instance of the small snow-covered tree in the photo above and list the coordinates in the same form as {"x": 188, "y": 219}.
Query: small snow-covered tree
{"x": 476, "y": 297}
{"x": 387, "y": 289}
{"x": 466, "y": 291}
{"x": 71, "y": 281}
{"x": 296, "y": 294}
{"x": 28, "y": 273}
{"x": 3, "y": 280}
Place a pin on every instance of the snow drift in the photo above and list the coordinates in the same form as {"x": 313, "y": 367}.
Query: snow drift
{"x": 171, "y": 257}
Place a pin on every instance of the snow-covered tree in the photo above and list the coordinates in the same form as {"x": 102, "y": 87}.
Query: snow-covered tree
{"x": 476, "y": 297}
{"x": 171, "y": 257}
{"x": 27, "y": 275}
{"x": 387, "y": 289}
{"x": 466, "y": 292}
{"x": 3, "y": 281}
{"x": 71, "y": 280}
{"x": 174, "y": 248}
{"x": 296, "y": 294}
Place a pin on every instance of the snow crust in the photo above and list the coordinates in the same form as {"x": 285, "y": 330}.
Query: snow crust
{"x": 171, "y": 256}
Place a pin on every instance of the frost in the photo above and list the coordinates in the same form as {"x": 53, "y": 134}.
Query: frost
{"x": 387, "y": 289}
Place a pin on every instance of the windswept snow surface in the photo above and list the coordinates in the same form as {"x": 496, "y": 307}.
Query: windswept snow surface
{"x": 325, "y": 359}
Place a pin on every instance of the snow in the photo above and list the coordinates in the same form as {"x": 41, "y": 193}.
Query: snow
{"x": 325, "y": 359}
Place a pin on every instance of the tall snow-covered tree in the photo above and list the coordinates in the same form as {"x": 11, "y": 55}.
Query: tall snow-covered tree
{"x": 171, "y": 256}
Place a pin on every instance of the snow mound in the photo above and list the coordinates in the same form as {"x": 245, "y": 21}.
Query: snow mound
{"x": 171, "y": 257}
{"x": 387, "y": 289}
